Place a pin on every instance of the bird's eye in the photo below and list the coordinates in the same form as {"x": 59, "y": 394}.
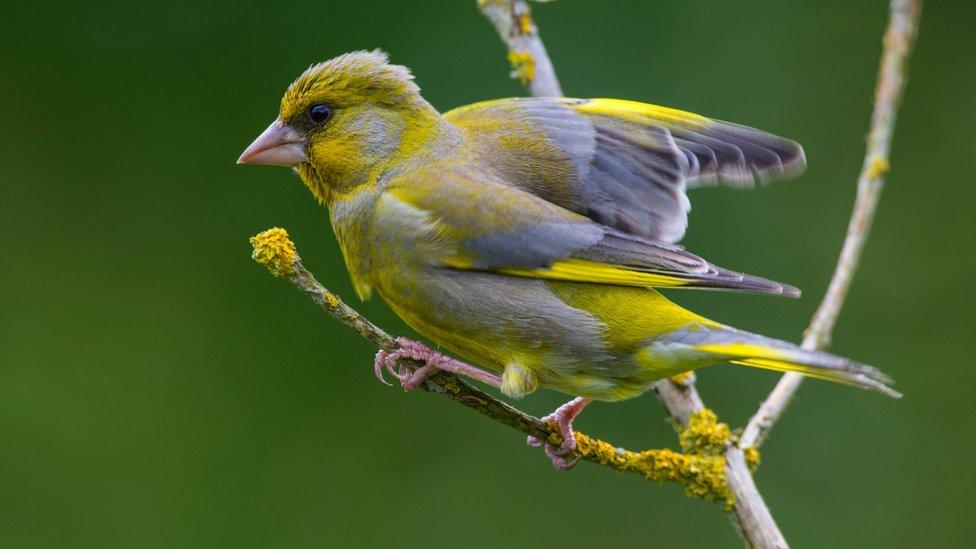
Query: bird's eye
{"x": 319, "y": 113}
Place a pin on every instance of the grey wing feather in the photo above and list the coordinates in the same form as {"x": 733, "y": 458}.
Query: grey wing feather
{"x": 519, "y": 231}
{"x": 738, "y": 155}
{"x": 638, "y": 254}
{"x": 623, "y": 174}
{"x": 636, "y": 183}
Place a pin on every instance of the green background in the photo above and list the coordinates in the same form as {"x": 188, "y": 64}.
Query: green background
{"x": 159, "y": 389}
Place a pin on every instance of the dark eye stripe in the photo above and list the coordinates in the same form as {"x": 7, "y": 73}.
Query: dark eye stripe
{"x": 319, "y": 113}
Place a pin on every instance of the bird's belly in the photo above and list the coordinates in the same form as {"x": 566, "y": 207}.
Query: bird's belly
{"x": 495, "y": 320}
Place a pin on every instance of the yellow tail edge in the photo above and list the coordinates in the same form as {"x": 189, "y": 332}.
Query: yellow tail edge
{"x": 813, "y": 364}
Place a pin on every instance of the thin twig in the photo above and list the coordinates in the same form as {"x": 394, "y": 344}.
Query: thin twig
{"x": 892, "y": 74}
{"x": 526, "y": 53}
{"x": 699, "y": 469}
{"x": 682, "y": 401}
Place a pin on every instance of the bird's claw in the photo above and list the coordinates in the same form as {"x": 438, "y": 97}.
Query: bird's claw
{"x": 562, "y": 456}
{"x": 407, "y": 349}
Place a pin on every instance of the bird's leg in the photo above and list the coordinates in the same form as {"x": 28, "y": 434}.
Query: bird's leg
{"x": 433, "y": 361}
{"x": 563, "y": 418}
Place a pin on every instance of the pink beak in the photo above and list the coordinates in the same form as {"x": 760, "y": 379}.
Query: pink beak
{"x": 279, "y": 145}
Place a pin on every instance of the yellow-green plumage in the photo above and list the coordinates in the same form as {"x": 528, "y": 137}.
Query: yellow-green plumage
{"x": 527, "y": 235}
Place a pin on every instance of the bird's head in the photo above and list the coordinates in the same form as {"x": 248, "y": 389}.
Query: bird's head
{"x": 344, "y": 121}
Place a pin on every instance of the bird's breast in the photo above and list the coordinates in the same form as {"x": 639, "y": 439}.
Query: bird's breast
{"x": 381, "y": 236}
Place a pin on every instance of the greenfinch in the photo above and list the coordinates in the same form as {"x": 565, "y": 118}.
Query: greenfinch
{"x": 530, "y": 236}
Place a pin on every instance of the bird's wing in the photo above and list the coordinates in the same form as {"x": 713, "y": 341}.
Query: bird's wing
{"x": 476, "y": 222}
{"x": 623, "y": 164}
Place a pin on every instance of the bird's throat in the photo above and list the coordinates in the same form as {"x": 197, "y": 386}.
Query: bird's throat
{"x": 316, "y": 183}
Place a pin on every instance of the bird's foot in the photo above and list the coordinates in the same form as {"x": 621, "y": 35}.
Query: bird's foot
{"x": 432, "y": 360}
{"x": 408, "y": 349}
{"x": 562, "y": 456}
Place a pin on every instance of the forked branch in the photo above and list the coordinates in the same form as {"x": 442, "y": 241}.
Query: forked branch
{"x": 681, "y": 399}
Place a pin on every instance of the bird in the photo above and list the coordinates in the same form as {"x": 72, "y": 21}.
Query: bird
{"x": 533, "y": 237}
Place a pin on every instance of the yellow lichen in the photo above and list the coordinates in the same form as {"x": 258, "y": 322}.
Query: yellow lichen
{"x": 331, "y": 299}
{"x": 704, "y": 434}
{"x": 684, "y": 379}
{"x": 525, "y": 23}
{"x": 523, "y": 66}
{"x": 274, "y": 250}
{"x": 753, "y": 458}
{"x": 879, "y": 166}
{"x": 701, "y": 476}
{"x": 700, "y": 470}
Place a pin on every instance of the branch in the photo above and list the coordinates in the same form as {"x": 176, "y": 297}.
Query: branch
{"x": 680, "y": 398}
{"x": 526, "y": 53}
{"x": 752, "y": 518}
{"x": 700, "y": 469}
{"x": 892, "y": 74}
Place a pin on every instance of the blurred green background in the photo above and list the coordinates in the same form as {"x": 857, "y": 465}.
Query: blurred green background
{"x": 159, "y": 389}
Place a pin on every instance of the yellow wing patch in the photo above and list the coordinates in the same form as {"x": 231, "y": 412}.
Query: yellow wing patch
{"x": 639, "y": 113}
{"x": 578, "y": 270}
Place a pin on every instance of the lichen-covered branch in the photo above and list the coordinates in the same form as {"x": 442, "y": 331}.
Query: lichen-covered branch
{"x": 751, "y": 515}
{"x": 892, "y": 75}
{"x": 526, "y": 53}
{"x": 700, "y": 468}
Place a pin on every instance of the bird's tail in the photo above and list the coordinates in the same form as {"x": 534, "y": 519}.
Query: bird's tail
{"x": 757, "y": 351}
